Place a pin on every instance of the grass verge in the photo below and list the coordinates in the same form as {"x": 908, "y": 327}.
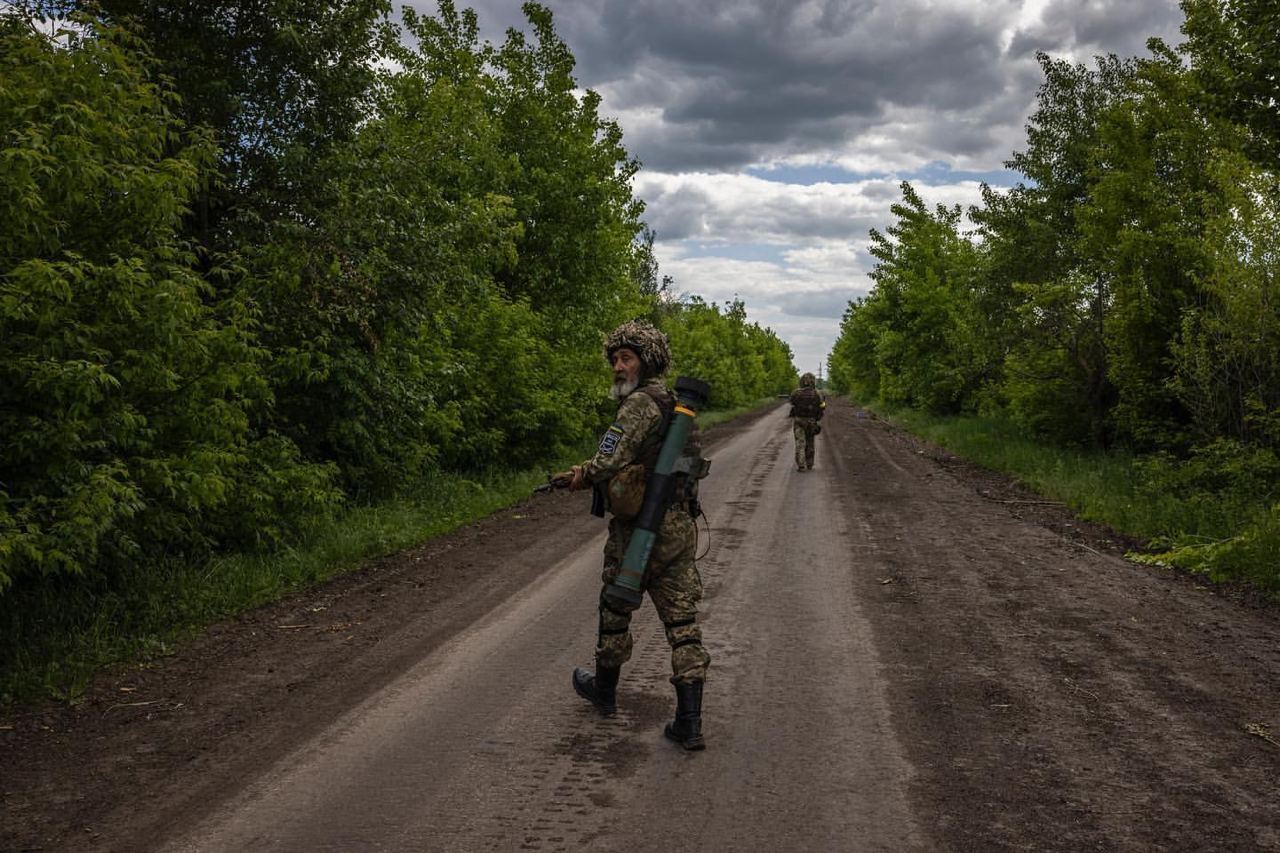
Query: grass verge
{"x": 55, "y": 636}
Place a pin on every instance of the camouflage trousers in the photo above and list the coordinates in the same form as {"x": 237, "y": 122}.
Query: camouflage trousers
{"x": 806, "y": 441}
{"x": 674, "y": 587}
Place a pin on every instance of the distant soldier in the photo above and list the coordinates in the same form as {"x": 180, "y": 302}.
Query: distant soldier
{"x": 807, "y": 408}
{"x": 618, "y": 472}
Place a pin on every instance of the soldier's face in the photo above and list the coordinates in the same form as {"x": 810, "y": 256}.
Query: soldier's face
{"x": 626, "y": 373}
{"x": 626, "y": 366}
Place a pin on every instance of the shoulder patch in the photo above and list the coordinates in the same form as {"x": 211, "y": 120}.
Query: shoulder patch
{"x": 609, "y": 442}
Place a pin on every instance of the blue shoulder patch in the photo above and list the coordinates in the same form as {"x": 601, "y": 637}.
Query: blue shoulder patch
{"x": 609, "y": 442}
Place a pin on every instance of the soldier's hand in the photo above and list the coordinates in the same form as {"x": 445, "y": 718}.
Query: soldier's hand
{"x": 577, "y": 482}
{"x": 561, "y": 479}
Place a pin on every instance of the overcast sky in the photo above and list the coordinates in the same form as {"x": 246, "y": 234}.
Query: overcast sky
{"x": 774, "y": 135}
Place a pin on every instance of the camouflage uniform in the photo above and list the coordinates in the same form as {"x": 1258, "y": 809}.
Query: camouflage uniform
{"x": 671, "y": 578}
{"x": 804, "y": 421}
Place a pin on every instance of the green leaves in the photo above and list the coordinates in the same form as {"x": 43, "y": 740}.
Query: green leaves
{"x": 126, "y": 386}
{"x": 742, "y": 361}
{"x": 1236, "y": 63}
{"x": 442, "y": 299}
{"x": 1226, "y": 359}
{"x": 915, "y": 340}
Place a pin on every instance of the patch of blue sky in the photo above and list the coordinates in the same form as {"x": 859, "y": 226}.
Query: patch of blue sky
{"x": 939, "y": 172}
{"x": 931, "y": 174}
{"x": 771, "y": 253}
{"x": 809, "y": 175}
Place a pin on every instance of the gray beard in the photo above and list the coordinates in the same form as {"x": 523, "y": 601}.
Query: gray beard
{"x": 622, "y": 387}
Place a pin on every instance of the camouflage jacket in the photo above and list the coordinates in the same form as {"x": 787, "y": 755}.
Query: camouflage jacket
{"x": 638, "y": 417}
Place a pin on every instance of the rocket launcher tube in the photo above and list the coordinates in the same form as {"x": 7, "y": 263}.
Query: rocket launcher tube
{"x": 691, "y": 395}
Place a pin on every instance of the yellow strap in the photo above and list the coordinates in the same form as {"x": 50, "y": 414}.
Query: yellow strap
{"x": 681, "y": 410}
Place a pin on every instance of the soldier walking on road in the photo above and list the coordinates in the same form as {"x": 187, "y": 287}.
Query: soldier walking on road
{"x": 807, "y": 408}
{"x": 618, "y": 472}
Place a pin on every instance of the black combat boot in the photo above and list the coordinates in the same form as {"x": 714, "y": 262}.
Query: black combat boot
{"x": 600, "y": 689}
{"x": 686, "y": 729}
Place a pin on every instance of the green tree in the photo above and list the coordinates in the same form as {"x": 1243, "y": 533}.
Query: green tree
{"x": 279, "y": 83}
{"x": 1043, "y": 298}
{"x": 742, "y": 361}
{"x": 443, "y": 295}
{"x": 1055, "y": 381}
{"x": 364, "y": 294}
{"x": 914, "y": 340}
{"x": 1141, "y": 229}
{"x": 127, "y": 387}
{"x": 1032, "y": 229}
{"x": 571, "y": 188}
{"x": 1226, "y": 361}
{"x": 1235, "y": 56}
{"x": 852, "y": 367}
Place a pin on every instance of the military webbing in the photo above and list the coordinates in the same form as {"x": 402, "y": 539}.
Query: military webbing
{"x": 647, "y": 455}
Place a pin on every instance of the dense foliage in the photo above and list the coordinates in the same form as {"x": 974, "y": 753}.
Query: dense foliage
{"x": 130, "y": 384}
{"x": 1126, "y": 293}
{"x": 235, "y": 294}
{"x": 742, "y": 361}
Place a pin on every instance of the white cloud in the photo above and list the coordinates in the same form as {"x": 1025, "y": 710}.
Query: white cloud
{"x": 774, "y": 294}
{"x": 825, "y": 259}
{"x": 733, "y": 209}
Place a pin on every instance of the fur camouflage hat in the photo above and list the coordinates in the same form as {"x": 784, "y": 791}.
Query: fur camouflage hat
{"x": 808, "y": 381}
{"x": 647, "y": 342}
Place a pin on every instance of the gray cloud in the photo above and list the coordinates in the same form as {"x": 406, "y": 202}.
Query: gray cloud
{"x": 682, "y": 212}
{"x": 817, "y": 303}
{"x": 1109, "y": 26}
{"x": 737, "y": 82}
{"x": 724, "y": 84}
{"x": 769, "y": 81}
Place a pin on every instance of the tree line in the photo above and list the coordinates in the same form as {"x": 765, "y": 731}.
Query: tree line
{"x": 260, "y": 261}
{"x": 1124, "y": 294}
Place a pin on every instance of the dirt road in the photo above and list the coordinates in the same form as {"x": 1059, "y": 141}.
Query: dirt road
{"x": 908, "y": 654}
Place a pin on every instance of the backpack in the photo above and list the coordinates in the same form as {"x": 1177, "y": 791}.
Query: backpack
{"x": 806, "y": 403}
